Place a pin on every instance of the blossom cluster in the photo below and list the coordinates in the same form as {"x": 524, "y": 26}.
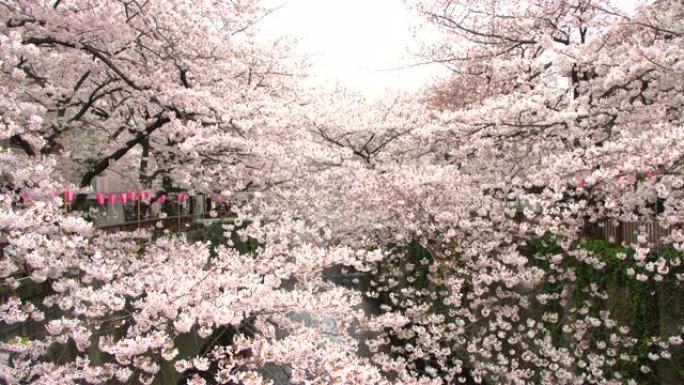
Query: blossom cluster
{"x": 466, "y": 223}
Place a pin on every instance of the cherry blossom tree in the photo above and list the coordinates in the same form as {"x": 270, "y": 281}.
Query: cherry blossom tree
{"x": 152, "y": 84}
{"x": 186, "y": 87}
{"x": 578, "y": 122}
{"x": 468, "y": 222}
{"x": 86, "y": 306}
{"x": 484, "y": 208}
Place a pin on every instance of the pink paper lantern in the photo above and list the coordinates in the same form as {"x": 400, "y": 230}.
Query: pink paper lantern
{"x": 130, "y": 195}
{"x": 112, "y": 199}
{"x": 182, "y": 197}
{"x": 123, "y": 197}
{"x": 69, "y": 195}
{"x": 145, "y": 196}
{"x": 100, "y": 198}
{"x": 162, "y": 198}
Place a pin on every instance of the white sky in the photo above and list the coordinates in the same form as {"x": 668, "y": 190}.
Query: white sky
{"x": 355, "y": 43}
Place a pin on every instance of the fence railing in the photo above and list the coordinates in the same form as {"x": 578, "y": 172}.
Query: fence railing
{"x": 618, "y": 233}
{"x": 628, "y": 232}
{"x": 172, "y": 223}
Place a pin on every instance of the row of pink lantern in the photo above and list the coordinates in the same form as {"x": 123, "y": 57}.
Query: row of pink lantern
{"x": 128, "y": 196}
{"x": 144, "y": 196}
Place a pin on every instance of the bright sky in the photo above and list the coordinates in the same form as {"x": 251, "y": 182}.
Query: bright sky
{"x": 355, "y": 43}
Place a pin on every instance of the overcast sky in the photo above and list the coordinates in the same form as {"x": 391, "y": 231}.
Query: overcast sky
{"x": 358, "y": 43}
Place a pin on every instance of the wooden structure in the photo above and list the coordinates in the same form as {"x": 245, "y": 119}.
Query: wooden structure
{"x": 628, "y": 232}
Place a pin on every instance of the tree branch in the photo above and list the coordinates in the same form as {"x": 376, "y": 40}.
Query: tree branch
{"x": 26, "y": 146}
{"x": 90, "y": 49}
{"x": 103, "y": 164}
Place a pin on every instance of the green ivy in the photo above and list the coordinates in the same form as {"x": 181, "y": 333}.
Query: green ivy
{"x": 642, "y": 307}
